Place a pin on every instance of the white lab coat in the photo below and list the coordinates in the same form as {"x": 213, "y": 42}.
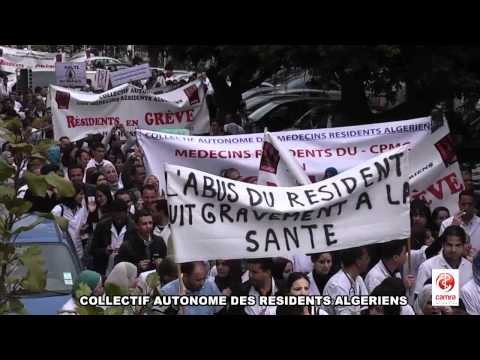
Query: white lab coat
{"x": 261, "y": 310}
{"x": 74, "y": 226}
{"x": 341, "y": 284}
{"x": 439, "y": 262}
{"x": 376, "y": 275}
{"x": 313, "y": 285}
{"x": 302, "y": 263}
{"x": 470, "y": 295}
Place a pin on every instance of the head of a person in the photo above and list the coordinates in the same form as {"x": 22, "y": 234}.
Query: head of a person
{"x": 322, "y": 263}
{"x": 50, "y": 169}
{"x": 419, "y": 215}
{"x": 298, "y": 284}
{"x": 167, "y": 270}
{"x": 79, "y": 194}
{"x": 144, "y": 223}
{"x": 99, "y": 152}
{"x": 119, "y": 212}
{"x": 476, "y": 268}
{"x": 152, "y": 180}
{"x": 466, "y": 202}
{"x": 260, "y": 271}
{"x": 149, "y": 195}
{"x": 391, "y": 286}
{"x": 91, "y": 176}
{"x": 35, "y": 165}
{"x": 357, "y": 258}
{"x": 453, "y": 240}
{"x": 64, "y": 142}
{"x": 194, "y": 274}
{"x": 83, "y": 157}
{"x": 124, "y": 196}
{"x": 395, "y": 252}
{"x": 103, "y": 195}
{"x": 232, "y": 174}
{"x": 90, "y": 278}
{"x": 282, "y": 268}
{"x": 229, "y": 268}
{"x": 330, "y": 172}
{"x": 439, "y": 215}
{"x": 124, "y": 276}
{"x": 75, "y": 174}
{"x": 159, "y": 211}
{"x": 429, "y": 237}
{"x": 467, "y": 180}
{"x": 423, "y": 303}
{"x": 216, "y": 128}
{"x": 139, "y": 174}
{"x": 99, "y": 179}
{"x": 110, "y": 174}
{"x": 119, "y": 163}
{"x": 8, "y": 157}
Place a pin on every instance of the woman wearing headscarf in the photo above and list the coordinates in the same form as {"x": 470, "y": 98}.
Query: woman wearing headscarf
{"x": 423, "y": 304}
{"x": 90, "y": 278}
{"x": 123, "y": 275}
{"x": 111, "y": 176}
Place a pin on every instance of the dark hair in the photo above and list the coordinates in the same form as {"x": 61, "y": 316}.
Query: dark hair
{"x": 118, "y": 205}
{"x": 161, "y": 206}
{"x": 315, "y": 257}
{"x": 349, "y": 256}
{"x": 46, "y": 169}
{"x": 74, "y": 166}
{"x": 391, "y": 248}
{"x": 149, "y": 187}
{"x": 294, "y": 277}
{"x": 418, "y": 206}
{"x": 391, "y": 286}
{"x": 79, "y": 152}
{"x": 454, "y": 230}
{"x": 279, "y": 265}
{"x": 64, "y": 137}
{"x": 39, "y": 89}
{"x": 189, "y": 267}
{"x": 97, "y": 146}
{"x": 122, "y": 192}
{"x": 166, "y": 267}
{"x": 105, "y": 190}
{"x": 466, "y": 193}
{"x": 95, "y": 176}
{"x": 142, "y": 213}
{"x": 266, "y": 264}
{"x": 70, "y": 201}
{"x": 437, "y": 210}
{"x": 235, "y": 266}
{"x": 134, "y": 169}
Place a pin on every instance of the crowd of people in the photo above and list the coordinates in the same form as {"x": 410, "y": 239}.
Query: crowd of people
{"x": 118, "y": 222}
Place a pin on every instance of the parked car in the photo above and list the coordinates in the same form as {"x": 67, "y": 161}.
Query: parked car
{"x": 319, "y": 117}
{"x": 278, "y": 115}
{"x": 261, "y": 90}
{"x": 95, "y": 62}
{"x": 257, "y": 102}
{"x": 61, "y": 263}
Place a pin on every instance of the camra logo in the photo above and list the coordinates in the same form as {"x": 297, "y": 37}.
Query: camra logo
{"x": 445, "y": 290}
{"x": 445, "y": 281}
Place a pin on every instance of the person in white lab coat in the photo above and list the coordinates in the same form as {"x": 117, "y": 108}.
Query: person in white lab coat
{"x": 393, "y": 256}
{"x": 453, "y": 241}
{"x": 321, "y": 273}
{"x": 347, "y": 281}
{"x": 470, "y": 292}
{"x": 467, "y": 219}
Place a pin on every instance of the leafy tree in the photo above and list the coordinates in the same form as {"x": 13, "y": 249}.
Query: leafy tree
{"x": 13, "y": 209}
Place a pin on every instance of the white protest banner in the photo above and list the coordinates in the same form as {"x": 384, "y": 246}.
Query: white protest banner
{"x": 102, "y": 79}
{"x": 217, "y": 218}
{"x": 278, "y": 167}
{"x": 438, "y": 182}
{"x": 133, "y": 73}
{"x": 13, "y": 59}
{"x": 71, "y": 74}
{"x": 76, "y": 114}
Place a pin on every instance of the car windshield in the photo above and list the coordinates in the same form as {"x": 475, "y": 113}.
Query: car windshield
{"x": 61, "y": 270}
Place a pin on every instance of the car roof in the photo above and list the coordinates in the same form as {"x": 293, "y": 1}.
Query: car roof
{"x": 254, "y": 116}
{"x": 45, "y": 232}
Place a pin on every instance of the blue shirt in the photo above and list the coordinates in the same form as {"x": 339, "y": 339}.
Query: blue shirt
{"x": 209, "y": 288}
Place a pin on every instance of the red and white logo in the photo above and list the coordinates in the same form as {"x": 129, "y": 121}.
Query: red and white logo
{"x": 445, "y": 287}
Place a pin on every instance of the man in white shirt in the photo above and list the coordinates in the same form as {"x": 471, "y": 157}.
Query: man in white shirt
{"x": 451, "y": 257}
{"x": 470, "y": 292}
{"x": 393, "y": 256}
{"x": 98, "y": 160}
{"x": 466, "y": 219}
{"x": 347, "y": 281}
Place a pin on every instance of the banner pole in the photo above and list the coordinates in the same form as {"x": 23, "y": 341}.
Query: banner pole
{"x": 181, "y": 287}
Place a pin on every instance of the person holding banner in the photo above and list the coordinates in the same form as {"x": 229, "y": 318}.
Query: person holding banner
{"x": 98, "y": 160}
{"x": 347, "y": 281}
